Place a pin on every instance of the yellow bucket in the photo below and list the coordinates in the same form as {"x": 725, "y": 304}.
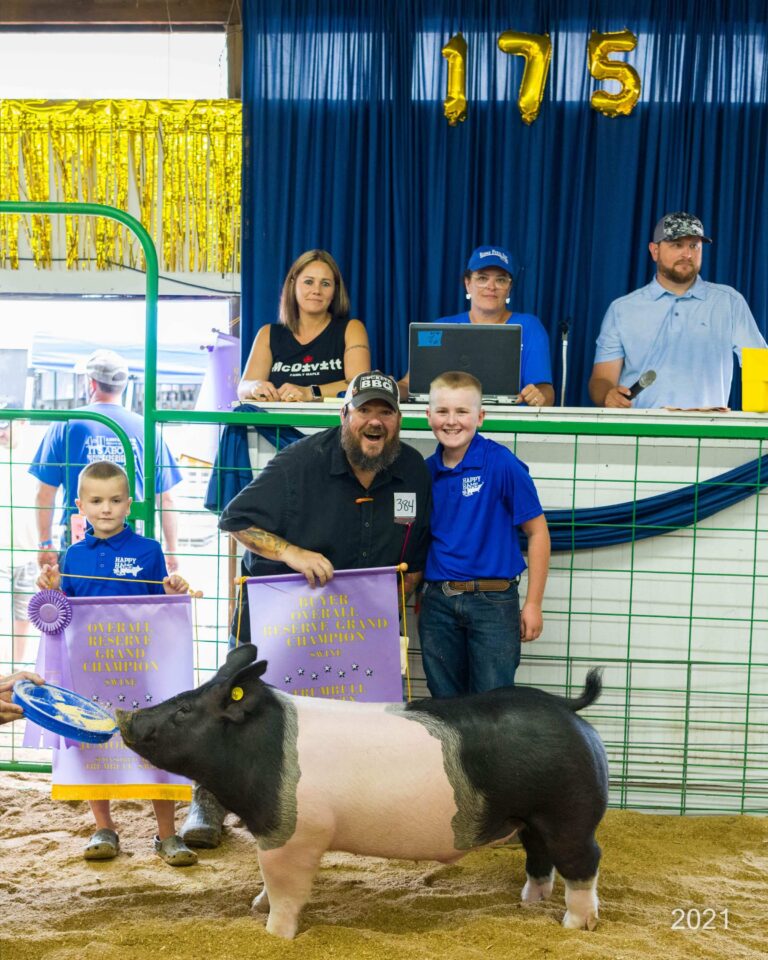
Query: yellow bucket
{"x": 754, "y": 379}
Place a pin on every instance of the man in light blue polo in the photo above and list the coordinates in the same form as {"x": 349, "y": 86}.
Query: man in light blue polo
{"x": 683, "y": 328}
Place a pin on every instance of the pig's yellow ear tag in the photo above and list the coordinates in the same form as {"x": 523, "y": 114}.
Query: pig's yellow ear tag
{"x": 237, "y": 693}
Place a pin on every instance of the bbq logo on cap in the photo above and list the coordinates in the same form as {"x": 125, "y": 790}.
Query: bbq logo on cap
{"x": 372, "y": 386}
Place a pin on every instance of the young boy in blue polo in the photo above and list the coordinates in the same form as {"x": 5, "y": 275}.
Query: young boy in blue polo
{"x": 111, "y": 549}
{"x": 471, "y": 624}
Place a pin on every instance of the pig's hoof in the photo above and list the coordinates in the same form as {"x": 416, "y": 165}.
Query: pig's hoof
{"x": 284, "y": 927}
{"x": 261, "y": 902}
{"x": 537, "y": 888}
{"x": 572, "y": 921}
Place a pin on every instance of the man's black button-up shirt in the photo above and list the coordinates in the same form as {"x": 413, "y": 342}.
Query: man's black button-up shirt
{"x": 308, "y": 495}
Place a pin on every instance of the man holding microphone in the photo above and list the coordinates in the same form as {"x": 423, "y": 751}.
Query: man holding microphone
{"x": 680, "y": 327}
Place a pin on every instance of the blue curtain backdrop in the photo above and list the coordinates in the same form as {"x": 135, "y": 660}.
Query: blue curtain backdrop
{"x": 347, "y": 148}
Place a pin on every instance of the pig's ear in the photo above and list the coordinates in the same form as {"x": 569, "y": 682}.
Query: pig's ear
{"x": 237, "y": 658}
{"x": 244, "y": 691}
{"x": 252, "y": 670}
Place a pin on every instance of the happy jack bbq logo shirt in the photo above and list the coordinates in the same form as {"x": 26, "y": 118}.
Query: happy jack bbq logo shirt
{"x": 126, "y": 567}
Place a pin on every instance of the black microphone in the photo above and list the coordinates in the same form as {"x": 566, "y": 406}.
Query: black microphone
{"x": 643, "y": 381}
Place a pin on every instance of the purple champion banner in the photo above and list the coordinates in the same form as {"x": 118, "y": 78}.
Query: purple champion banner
{"x": 340, "y": 641}
{"x": 218, "y": 390}
{"x": 219, "y": 387}
{"x": 122, "y": 652}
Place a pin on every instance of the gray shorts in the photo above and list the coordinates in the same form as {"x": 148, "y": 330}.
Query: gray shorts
{"x": 20, "y": 581}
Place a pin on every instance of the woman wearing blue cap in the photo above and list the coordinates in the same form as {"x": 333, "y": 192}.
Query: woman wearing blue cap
{"x": 488, "y": 282}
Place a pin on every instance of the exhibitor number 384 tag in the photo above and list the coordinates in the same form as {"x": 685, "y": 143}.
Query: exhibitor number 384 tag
{"x": 405, "y": 507}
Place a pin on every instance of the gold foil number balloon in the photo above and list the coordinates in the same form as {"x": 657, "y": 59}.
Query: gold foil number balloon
{"x": 600, "y": 45}
{"x": 537, "y": 50}
{"x": 455, "y": 104}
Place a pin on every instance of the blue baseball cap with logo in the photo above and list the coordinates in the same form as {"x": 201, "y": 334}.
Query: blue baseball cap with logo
{"x": 484, "y": 257}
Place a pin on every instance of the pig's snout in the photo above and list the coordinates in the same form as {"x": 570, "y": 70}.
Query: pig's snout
{"x": 123, "y": 718}
{"x": 134, "y": 728}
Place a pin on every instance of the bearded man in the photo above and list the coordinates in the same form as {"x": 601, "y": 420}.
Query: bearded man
{"x": 349, "y": 497}
{"x": 683, "y": 328}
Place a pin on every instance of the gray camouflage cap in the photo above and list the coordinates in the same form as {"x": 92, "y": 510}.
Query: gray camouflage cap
{"x": 672, "y": 226}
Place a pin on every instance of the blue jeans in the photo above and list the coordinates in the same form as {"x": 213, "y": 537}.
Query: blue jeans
{"x": 469, "y": 642}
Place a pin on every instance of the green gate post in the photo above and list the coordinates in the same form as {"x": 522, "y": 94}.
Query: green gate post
{"x": 144, "y": 510}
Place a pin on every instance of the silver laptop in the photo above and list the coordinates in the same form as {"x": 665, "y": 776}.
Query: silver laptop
{"x": 490, "y": 352}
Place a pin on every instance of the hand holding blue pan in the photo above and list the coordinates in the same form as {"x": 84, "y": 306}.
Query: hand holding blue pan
{"x": 10, "y": 711}
{"x": 64, "y": 712}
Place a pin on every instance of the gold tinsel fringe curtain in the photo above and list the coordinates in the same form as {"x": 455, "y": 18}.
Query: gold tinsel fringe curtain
{"x": 174, "y": 164}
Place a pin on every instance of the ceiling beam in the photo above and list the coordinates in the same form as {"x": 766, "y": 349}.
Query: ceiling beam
{"x": 80, "y": 13}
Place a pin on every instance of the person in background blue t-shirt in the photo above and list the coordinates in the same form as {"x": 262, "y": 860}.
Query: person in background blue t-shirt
{"x": 113, "y": 551}
{"x": 69, "y": 445}
{"x": 488, "y": 282}
{"x": 470, "y": 623}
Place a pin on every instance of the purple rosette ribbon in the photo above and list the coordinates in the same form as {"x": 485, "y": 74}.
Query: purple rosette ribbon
{"x": 51, "y": 613}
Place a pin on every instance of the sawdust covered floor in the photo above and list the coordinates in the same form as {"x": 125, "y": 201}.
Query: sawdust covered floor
{"x": 56, "y": 906}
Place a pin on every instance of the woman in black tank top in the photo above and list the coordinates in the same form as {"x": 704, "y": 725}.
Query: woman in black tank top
{"x": 315, "y": 349}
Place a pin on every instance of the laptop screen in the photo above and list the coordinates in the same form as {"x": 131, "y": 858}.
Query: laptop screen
{"x": 490, "y": 352}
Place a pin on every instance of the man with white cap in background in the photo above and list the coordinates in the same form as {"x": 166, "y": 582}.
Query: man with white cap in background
{"x": 69, "y": 445}
{"x": 679, "y": 326}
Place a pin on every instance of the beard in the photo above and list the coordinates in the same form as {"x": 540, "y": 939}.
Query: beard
{"x": 353, "y": 448}
{"x": 680, "y": 273}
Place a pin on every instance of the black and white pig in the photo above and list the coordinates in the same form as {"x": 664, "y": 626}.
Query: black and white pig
{"x": 428, "y": 780}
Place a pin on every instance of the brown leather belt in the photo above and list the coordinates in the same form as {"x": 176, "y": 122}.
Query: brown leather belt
{"x": 480, "y": 586}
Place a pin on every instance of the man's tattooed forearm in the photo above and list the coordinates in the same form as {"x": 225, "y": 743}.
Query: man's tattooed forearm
{"x": 265, "y": 544}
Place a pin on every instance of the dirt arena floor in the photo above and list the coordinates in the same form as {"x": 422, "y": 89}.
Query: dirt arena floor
{"x": 656, "y": 871}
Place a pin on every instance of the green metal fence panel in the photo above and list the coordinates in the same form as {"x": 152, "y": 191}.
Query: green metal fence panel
{"x": 678, "y": 621}
{"x": 145, "y": 509}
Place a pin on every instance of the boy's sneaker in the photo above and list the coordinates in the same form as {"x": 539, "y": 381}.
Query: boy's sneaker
{"x": 103, "y": 845}
{"x": 174, "y": 851}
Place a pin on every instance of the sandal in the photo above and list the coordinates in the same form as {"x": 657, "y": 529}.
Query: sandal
{"x": 103, "y": 845}
{"x": 175, "y": 852}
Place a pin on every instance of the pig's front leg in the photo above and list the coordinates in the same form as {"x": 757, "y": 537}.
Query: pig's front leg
{"x": 288, "y": 873}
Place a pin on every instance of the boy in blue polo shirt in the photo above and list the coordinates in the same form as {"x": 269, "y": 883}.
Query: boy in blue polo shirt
{"x": 111, "y": 549}
{"x": 471, "y": 624}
